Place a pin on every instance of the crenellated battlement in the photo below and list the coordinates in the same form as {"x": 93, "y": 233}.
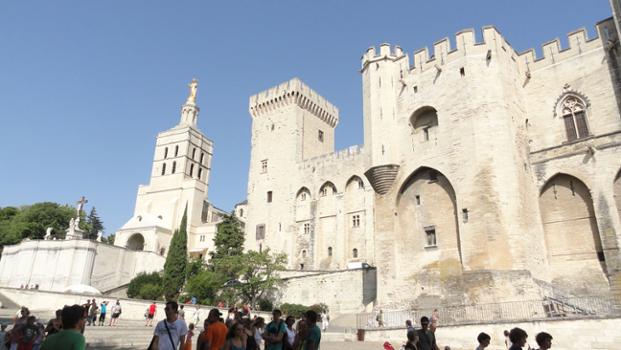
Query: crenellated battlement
{"x": 296, "y": 92}
{"x": 331, "y": 159}
{"x": 493, "y": 43}
{"x": 386, "y": 51}
{"x": 579, "y": 43}
{"x": 465, "y": 44}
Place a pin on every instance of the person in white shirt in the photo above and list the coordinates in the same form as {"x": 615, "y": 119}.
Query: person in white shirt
{"x": 325, "y": 321}
{"x": 170, "y": 333}
{"x": 290, "y": 321}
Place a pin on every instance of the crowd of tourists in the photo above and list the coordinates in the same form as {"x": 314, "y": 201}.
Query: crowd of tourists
{"x": 424, "y": 338}
{"x": 29, "y": 333}
{"x": 96, "y": 313}
{"x": 64, "y": 331}
{"x": 237, "y": 332}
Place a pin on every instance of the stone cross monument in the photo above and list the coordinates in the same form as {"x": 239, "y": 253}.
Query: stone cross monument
{"x": 74, "y": 231}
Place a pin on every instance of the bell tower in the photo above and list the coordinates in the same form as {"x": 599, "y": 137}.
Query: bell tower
{"x": 179, "y": 177}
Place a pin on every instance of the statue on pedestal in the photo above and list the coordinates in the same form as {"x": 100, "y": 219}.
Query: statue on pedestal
{"x": 99, "y": 235}
{"x": 193, "y": 90}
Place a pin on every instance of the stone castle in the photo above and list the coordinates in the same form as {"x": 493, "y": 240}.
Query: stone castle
{"x": 486, "y": 174}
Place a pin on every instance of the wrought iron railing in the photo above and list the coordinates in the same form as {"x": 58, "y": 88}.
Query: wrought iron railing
{"x": 530, "y": 310}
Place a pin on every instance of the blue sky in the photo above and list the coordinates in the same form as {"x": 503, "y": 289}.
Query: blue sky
{"x": 85, "y": 86}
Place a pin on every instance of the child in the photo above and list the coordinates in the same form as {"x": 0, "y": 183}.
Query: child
{"x": 483, "y": 340}
{"x": 188, "y": 337}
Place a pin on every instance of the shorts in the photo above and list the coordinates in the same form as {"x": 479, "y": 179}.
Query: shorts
{"x": 150, "y": 316}
{"x": 102, "y": 317}
{"x": 116, "y": 315}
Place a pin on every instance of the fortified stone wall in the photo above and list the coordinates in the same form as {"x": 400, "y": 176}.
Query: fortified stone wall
{"x": 344, "y": 291}
{"x": 483, "y": 168}
{"x": 56, "y": 265}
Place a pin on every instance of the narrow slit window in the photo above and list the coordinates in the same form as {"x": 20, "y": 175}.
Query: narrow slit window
{"x": 430, "y": 233}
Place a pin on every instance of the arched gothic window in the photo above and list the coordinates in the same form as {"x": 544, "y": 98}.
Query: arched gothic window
{"x": 573, "y": 112}
{"x": 164, "y": 169}
{"x": 200, "y": 173}
{"x": 174, "y": 168}
{"x": 191, "y": 170}
{"x": 424, "y": 122}
{"x": 176, "y": 150}
{"x": 354, "y": 252}
{"x": 165, "y": 152}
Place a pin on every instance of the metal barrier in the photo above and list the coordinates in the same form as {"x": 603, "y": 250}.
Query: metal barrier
{"x": 530, "y": 310}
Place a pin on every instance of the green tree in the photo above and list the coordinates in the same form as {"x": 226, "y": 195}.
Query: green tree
{"x": 109, "y": 239}
{"x": 205, "y": 286}
{"x": 195, "y": 266}
{"x": 176, "y": 263}
{"x": 258, "y": 274}
{"x": 228, "y": 243}
{"x": 229, "y": 239}
{"x": 32, "y": 221}
{"x": 150, "y": 291}
{"x": 134, "y": 289}
{"x": 94, "y": 224}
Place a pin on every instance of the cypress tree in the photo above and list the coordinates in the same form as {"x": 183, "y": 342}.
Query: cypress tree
{"x": 94, "y": 224}
{"x": 176, "y": 261}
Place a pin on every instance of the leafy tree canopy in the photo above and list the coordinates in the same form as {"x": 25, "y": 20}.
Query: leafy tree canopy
{"x": 136, "y": 285}
{"x": 258, "y": 274}
{"x": 229, "y": 239}
{"x": 31, "y": 221}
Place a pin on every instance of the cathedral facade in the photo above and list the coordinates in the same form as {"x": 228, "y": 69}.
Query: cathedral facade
{"x": 179, "y": 181}
{"x": 485, "y": 175}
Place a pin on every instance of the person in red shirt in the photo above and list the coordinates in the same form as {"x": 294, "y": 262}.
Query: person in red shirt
{"x": 151, "y": 314}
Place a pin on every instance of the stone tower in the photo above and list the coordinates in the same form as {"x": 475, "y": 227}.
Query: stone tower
{"x": 290, "y": 123}
{"x": 179, "y": 178}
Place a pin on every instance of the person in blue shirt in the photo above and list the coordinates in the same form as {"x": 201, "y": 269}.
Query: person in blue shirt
{"x": 103, "y": 310}
{"x": 314, "y": 333}
{"x": 275, "y": 332}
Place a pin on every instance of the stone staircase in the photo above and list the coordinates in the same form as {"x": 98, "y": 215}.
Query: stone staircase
{"x": 130, "y": 334}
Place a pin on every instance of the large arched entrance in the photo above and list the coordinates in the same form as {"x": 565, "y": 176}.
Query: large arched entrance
{"x": 427, "y": 213}
{"x": 574, "y": 247}
{"x": 135, "y": 242}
